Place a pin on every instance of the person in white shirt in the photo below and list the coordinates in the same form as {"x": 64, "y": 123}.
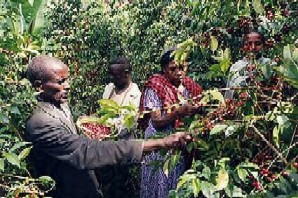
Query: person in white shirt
{"x": 121, "y": 89}
{"x": 124, "y": 92}
{"x": 242, "y": 70}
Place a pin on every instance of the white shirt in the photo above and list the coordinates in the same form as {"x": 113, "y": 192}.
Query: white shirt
{"x": 131, "y": 95}
{"x": 238, "y": 73}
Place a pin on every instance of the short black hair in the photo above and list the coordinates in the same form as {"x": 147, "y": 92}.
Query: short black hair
{"x": 167, "y": 57}
{"x": 38, "y": 68}
{"x": 121, "y": 61}
{"x": 255, "y": 31}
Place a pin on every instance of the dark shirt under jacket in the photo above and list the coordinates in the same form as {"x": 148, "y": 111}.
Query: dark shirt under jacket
{"x": 58, "y": 151}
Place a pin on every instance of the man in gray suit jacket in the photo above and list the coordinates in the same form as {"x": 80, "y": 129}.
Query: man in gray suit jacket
{"x": 58, "y": 151}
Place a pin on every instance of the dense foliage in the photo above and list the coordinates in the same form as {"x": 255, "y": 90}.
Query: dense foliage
{"x": 18, "y": 44}
{"x": 245, "y": 147}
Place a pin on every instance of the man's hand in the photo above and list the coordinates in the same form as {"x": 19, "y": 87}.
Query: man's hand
{"x": 187, "y": 110}
{"x": 176, "y": 140}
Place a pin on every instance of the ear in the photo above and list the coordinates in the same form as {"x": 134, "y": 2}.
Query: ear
{"x": 37, "y": 85}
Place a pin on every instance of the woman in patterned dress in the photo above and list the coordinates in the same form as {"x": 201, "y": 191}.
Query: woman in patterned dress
{"x": 161, "y": 91}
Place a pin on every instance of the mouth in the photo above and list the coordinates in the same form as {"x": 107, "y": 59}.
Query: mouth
{"x": 64, "y": 95}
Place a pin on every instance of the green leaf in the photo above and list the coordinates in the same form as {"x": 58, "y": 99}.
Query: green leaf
{"x": 213, "y": 44}
{"x": 287, "y": 52}
{"x": 14, "y": 110}
{"x": 295, "y": 54}
{"x": 4, "y": 119}
{"x": 210, "y": 95}
{"x": 184, "y": 179}
{"x": 266, "y": 70}
{"x": 46, "y": 179}
{"x": 31, "y": 2}
{"x": 207, "y": 189}
{"x": 222, "y": 179}
{"x": 12, "y": 158}
{"x": 129, "y": 121}
{"x": 217, "y": 129}
{"x": 258, "y": 7}
{"x": 24, "y": 153}
{"x": 234, "y": 191}
{"x": 225, "y": 65}
{"x": 18, "y": 145}
{"x": 242, "y": 173}
{"x": 196, "y": 186}
{"x": 227, "y": 53}
{"x": 1, "y": 164}
{"x": 244, "y": 167}
{"x": 206, "y": 172}
{"x": 276, "y": 132}
{"x": 107, "y": 103}
{"x": 282, "y": 119}
{"x": 104, "y": 118}
{"x": 166, "y": 167}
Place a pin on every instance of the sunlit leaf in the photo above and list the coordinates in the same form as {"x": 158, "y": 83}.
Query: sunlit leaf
{"x": 282, "y": 119}
{"x": 196, "y": 186}
{"x": 276, "y": 132}
{"x": 18, "y": 145}
{"x": 242, "y": 173}
{"x": 222, "y": 179}
{"x": 4, "y": 119}
{"x": 31, "y": 2}
{"x": 12, "y": 158}
{"x": 295, "y": 55}
{"x": 213, "y": 44}
{"x": 218, "y": 128}
{"x": 1, "y": 164}
{"x": 207, "y": 189}
{"x": 129, "y": 121}
{"x": 14, "y": 110}
{"x": 287, "y": 52}
{"x": 24, "y": 153}
{"x": 234, "y": 191}
{"x": 107, "y": 103}
{"x": 206, "y": 172}
{"x": 258, "y": 7}
{"x": 210, "y": 95}
{"x": 183, "y": 179}
{"x": 166, "y": 167}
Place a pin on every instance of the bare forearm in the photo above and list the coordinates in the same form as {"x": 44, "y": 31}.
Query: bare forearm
{"x": 154, "y": 144}
{"x": 163, "y": 121}
{"x": 176, "y": 140}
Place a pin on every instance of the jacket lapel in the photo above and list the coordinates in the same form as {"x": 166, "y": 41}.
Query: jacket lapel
{"x": 58, "y": 114}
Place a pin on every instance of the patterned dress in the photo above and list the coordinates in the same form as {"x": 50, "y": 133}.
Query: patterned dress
{"x": 154, "y": 183}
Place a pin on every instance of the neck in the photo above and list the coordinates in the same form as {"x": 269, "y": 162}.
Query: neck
{"x": 119, "y": 89}
{"x": 47, "y": 100}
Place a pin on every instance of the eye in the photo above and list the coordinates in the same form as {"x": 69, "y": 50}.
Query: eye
{"x": 62, "y": 81}
{"x": 172, "y": 69}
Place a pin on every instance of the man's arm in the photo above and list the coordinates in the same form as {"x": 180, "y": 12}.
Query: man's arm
{"x": 52, "y": 138}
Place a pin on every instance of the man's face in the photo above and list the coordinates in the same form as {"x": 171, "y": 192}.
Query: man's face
{"x": 253, "y": 43}
{"x": 175, "y": 73}
{"x": 56, "y": 88}
{"x": 119, "y": 75}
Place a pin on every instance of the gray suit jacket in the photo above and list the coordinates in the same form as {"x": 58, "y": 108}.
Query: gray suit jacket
{"x": 58, "y": 151}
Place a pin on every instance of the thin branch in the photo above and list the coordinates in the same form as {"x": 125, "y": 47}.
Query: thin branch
{"x": 269, "y": 144}
{"x": 293, "y": 136}
{"x": 288, "y": 149}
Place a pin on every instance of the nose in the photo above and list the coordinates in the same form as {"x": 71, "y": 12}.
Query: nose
{"x": 66, "y": 85}
{"x": 253, "y": 47}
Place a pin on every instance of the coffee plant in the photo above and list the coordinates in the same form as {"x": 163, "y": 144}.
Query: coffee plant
{"x": 245, "y": 147}
{"x": 18, "y": 44}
